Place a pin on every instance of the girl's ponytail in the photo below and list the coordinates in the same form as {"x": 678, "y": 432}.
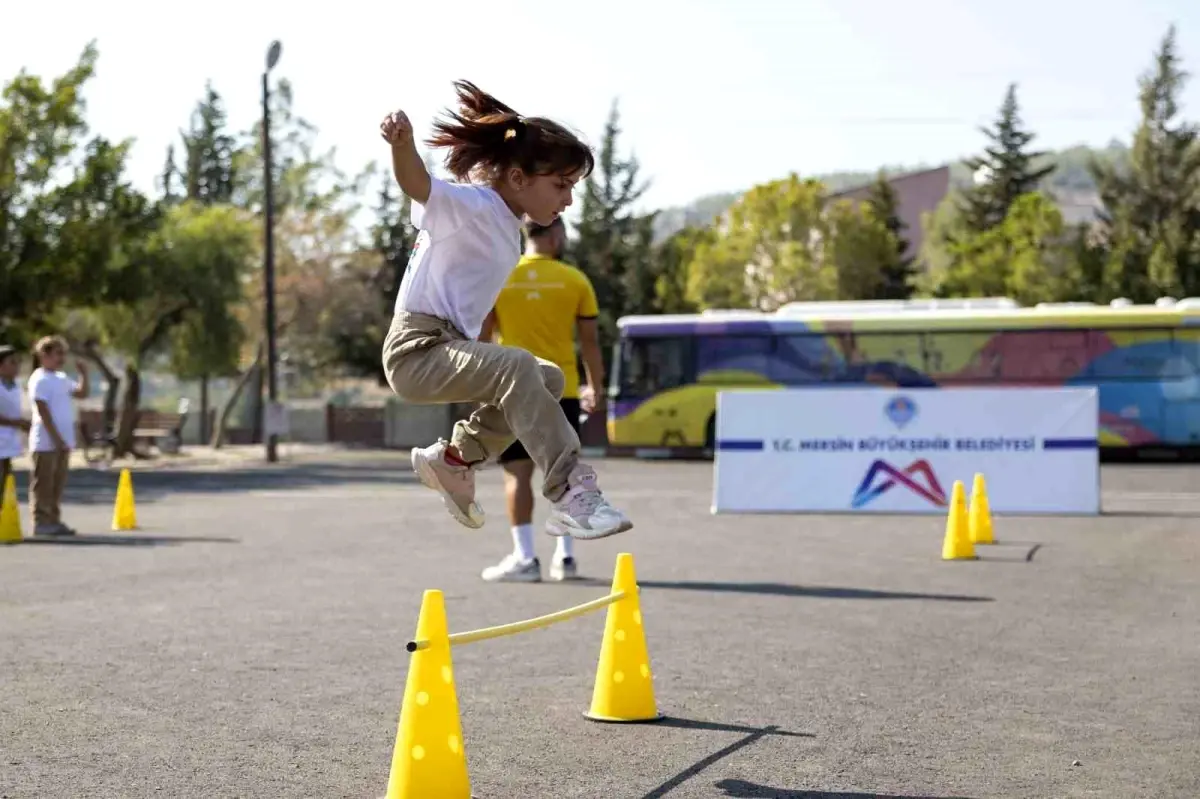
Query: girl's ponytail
{"x": 485, "y": 136}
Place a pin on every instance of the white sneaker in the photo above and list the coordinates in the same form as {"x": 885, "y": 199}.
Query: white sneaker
{"x": 455, "y": 483}
{"x": 565, "y": 569}
{"x": 514, "y": 570}
{"x": 583, "y": 512}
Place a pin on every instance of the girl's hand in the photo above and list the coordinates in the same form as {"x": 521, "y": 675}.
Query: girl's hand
{"x": 396, "y": 129}
{"x": 590, "y": 401}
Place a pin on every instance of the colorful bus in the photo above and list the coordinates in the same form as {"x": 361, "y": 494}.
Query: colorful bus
{"x": 1145, "y": 359}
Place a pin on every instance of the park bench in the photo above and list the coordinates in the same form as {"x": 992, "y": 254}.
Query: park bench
{"x": 153, "y": 425}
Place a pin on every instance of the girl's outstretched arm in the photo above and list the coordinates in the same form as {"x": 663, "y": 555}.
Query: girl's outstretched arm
{"x": 407, "y": 166}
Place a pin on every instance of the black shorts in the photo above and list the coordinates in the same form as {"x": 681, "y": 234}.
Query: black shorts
{"x": 516, "y": 452}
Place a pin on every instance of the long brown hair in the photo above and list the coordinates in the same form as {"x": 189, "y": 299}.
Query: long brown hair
{"x": 485, "y": 137}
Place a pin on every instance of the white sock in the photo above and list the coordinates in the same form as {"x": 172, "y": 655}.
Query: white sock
{"x": 523, "y": 541}
{"x": 565, "y": 548}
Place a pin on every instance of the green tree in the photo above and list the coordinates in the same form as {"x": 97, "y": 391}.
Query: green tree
{"x": 70, "y": 224}
{"x": 672, "y": 260}
{"x": 858, "y": 247}
{"x": 191, "y": 273}
{"x": 206, "y": 344}
{"x": 1151, "y": 220}
{"x": 1005, "y": 170}
{"x": 305, "y": 182}
{"x": 1030, "y": 256}
{"x": 380, "y": 272}
{"x": 211, "y": 150}
{"x": 896, "y": 268}
{"x": 304, "y": 177}
{"x": 767, "y": 250}
{"x": 612, "y": 242}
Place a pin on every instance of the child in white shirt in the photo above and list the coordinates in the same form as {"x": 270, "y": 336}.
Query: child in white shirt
{"x": 13, "y": 425}
{"x": 52, "y": 435}
{"x": 509, "y": 167}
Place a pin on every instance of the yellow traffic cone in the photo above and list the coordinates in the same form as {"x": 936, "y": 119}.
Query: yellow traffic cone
{"x": 124, "y": 512}
{"x": 429, "y": 759}
{"x": 10, "y": 514}
{"x": 980, "y": 515}
{"x": 624, "y": 689}
{"x": 957, "y": 544}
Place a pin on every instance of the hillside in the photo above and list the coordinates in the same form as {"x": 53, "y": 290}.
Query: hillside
{"x": 1070, "y": 179}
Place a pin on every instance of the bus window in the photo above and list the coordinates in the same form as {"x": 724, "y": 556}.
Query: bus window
{"x": 1042, "y": 356}
{"x": 961, "y": 356}
{"x": 650, "y": 365}
{"x": 1138, "y": 355}
{"x": 801, "y": 358}
{"x": 732, "y": 353}
{"x": 1187, "y": 349}
{"x": 885, "y": 358}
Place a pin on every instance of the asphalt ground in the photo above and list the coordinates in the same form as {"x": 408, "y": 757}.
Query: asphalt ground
{"x": 248, "y": 641}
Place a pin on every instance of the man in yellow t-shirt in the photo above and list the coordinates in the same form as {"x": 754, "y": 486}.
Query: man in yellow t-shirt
{"x": 541, "y": 308}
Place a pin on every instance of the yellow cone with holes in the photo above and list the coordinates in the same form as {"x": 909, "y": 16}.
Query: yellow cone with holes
{"x": 979, "y": 515}
{"x": 957, "y": 543}
{"x": 624, "y": 688}
{"x": 124, "y": 510}
{"x": 10, "y": 514}
{"x": 429, "y": 759}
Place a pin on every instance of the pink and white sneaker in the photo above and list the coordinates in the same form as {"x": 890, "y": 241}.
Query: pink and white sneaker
{"x": 583, "y": 512}
{"x": 455, "y": 482}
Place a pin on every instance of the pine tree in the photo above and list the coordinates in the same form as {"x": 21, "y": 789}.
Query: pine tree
{"x": 210, "y": 151}
{"x": 613, "y": 242}
{"x": 1151, "y": 220}
{"x": 169, "y": 178}
{"x": 897, "y": 272}
{"x": 1005, "y": 169}
{"x": 393, "y": 237}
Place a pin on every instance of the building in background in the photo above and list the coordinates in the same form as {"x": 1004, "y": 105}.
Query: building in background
{"x": 917, "y": 193}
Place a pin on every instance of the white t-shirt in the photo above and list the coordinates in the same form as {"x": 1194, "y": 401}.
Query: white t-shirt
{"x": 11, "y": 439}
{"x": 469, "y": 243}
{"x": 54, "y": 389}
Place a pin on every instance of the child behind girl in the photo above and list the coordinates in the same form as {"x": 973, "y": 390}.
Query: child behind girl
{"x": 507, "y": 167}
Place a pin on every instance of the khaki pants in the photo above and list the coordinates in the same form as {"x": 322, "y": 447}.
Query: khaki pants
{"x": 428, "y": 361}
{"x": 47, "y": 480}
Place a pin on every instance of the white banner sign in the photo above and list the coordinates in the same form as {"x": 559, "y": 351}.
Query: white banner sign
{"x": 873, "y": 450}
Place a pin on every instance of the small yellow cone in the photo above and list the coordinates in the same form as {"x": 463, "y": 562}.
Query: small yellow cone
{"x": 957, "y": 544}
{"x": 429, "y": 759}
{"x": 624, "y": 688}
{"x": 124, "y": 512}
{"x": 979, "y": 517}
{"x": 10, "y": 514}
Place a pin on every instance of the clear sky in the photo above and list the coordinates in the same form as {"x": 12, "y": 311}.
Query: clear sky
{"x": 715, "y": 94}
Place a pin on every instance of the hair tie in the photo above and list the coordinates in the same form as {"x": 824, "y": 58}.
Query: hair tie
{"x": 517, "y": 129}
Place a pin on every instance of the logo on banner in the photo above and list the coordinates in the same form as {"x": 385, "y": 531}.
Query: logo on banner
{"x": 917, "y": 477}
{"x": 900, "y": 410}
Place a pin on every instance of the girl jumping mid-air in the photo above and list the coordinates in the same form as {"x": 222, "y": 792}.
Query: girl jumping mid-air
{"x": 508, "y": 167}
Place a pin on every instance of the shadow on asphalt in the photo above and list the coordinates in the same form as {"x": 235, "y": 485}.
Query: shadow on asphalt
{"x": 743, "y": 789}
{"x": 782, "y": 589}
{"x": 753, "y": 734}
{"x": 87, "y": 540}
{"x": 99, "y": 487}
{"x": 1149, "y": 514}
{"x": 814, "y": 591}
{"x": 716, "y": 726}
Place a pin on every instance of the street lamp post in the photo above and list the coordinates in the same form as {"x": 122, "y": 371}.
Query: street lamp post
{"x": 269, "y": 250}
